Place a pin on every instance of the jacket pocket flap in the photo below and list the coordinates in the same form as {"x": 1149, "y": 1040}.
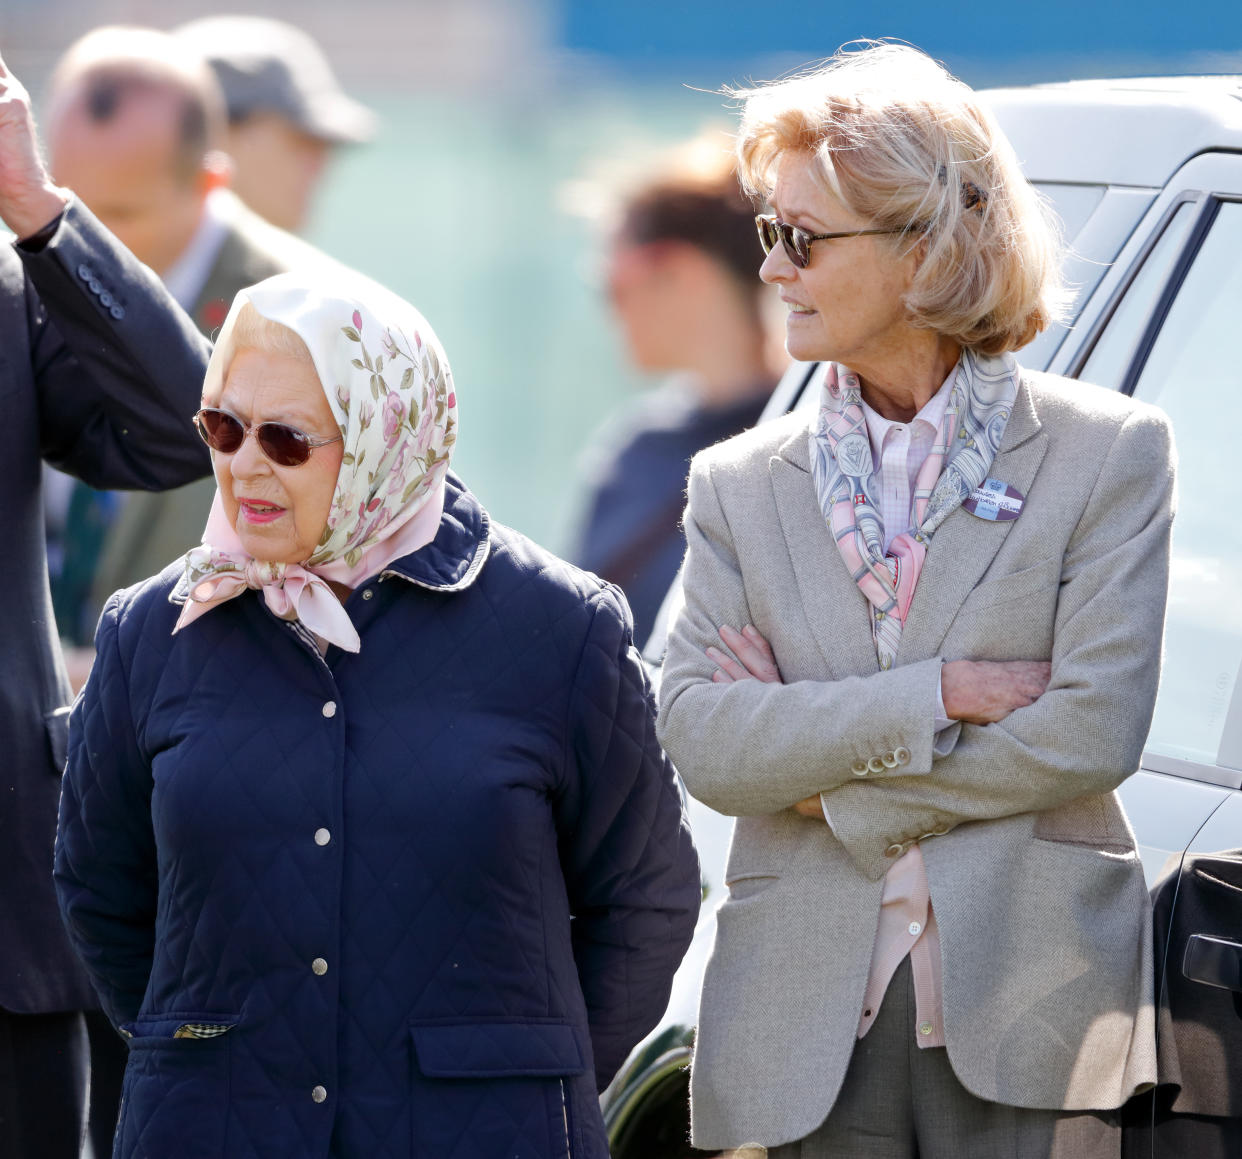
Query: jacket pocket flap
{"x": 494, "y": 1049}
{"x": 1018, "y": 585}
{"x": 156, "y": 1027}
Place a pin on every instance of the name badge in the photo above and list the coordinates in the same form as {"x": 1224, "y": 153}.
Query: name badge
{"x": 995, "y": 501}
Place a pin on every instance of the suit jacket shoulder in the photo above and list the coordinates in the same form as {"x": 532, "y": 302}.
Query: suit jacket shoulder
{"x": 742, "y": 454}
{"x": 252, "y": 250}
{"x": 1057, "y": 399}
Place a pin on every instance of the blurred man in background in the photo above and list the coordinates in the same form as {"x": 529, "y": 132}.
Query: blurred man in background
{"x": 683, "y": 283}
{"x": 136, "y": 127}
{"x": 286, "y": 112}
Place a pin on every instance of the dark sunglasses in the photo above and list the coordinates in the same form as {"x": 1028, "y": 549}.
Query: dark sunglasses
{"x": 797, "y": 242}
{"x": 286, "y": 446}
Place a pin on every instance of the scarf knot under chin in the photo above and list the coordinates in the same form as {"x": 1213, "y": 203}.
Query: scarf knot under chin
{"x": 215, "y": 576}
{"x": 295, "y": 591}
{"x": 291, "y": 591}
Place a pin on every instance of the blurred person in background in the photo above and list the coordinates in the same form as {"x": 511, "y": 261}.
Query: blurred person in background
{"x": 286, "y": 111}
{"x": 98, "y": 374}
{"x": 681, "y": 281}
{"x": 136, "y": 127}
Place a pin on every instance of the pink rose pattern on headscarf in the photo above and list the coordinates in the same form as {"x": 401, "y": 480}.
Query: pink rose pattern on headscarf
{"x": 391, "y": 391}
{"x": 980, "y": 402}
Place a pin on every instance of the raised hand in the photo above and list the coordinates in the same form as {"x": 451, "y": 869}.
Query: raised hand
{"x": 29, "y": 199}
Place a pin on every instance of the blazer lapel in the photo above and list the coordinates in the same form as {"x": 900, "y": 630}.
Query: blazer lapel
{"x": 964, "y": 546}
{"x": 835, "y": 609}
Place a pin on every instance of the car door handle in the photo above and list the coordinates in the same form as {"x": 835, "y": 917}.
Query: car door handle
{"x": 1213, "y": 962}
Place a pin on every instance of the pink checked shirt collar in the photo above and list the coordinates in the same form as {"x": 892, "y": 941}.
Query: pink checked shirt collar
{"x": 898, "y": 450}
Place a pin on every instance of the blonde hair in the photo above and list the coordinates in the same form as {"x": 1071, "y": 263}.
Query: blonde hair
{"x": 906, "y": 146}
{"x": 252, "y": 331}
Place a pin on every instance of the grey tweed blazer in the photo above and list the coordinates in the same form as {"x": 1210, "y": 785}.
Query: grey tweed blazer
{"x": 1038, "y": 890}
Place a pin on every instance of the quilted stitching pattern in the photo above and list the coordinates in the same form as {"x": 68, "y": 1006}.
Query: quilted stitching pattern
{"x": 490, "y": 744}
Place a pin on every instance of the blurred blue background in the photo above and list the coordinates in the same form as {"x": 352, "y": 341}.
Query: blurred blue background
{"x": 504, "y": 124}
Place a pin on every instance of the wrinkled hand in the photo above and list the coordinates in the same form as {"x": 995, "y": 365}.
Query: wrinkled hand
{"x": 755, "y": 661}
{"x": 28, "y": 198}
{"x": 985, "y": 691}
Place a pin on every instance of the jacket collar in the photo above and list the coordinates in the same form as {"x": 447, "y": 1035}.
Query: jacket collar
{"x": 449, "y": 563}
{"x": 1022, "y": 426}
{"x": 960, "y": 553}
{"x": 452, "y": 561}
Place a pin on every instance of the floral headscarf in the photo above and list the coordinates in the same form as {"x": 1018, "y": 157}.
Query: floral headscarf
{"x": 390, "y": 389}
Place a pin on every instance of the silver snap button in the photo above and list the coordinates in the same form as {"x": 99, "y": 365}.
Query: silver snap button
{"x": 329, "y": 709}
{"x": 319, "y": 966}
{"x": 318, "y": 1094}
{"x": 322, "y": 837}
{"x": 368, "y": 593}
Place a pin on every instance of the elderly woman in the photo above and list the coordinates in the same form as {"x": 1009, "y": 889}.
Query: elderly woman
{"x": 919, "y": 651}
{"x": 365, "y": 835}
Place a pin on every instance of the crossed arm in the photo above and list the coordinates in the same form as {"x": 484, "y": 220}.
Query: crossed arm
{"x": 974, "y": 691}
{"x": 1028, "y": 741}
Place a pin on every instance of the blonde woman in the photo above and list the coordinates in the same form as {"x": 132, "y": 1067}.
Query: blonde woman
{"x": 919, "y": 651}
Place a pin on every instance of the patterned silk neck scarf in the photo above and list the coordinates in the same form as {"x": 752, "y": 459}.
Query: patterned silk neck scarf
{"x": 980, "y": 400}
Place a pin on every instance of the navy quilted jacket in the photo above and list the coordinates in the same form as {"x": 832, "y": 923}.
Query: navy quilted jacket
{"x": 415, "y": 902}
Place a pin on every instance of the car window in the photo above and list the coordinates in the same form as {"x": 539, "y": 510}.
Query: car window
{"x": 1115, "y": 348}
{"x": 1194, "y": 374}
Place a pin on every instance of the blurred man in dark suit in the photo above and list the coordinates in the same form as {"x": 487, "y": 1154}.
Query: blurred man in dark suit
{"x": 136, "y": 127}
{"x": 99, "y": 371}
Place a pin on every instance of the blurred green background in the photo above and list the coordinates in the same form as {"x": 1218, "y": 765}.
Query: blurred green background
{"x": 483, "y": 213}
{"x": 505, "y": 124}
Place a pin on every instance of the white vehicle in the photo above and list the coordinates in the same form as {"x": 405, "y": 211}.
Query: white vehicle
{"x": 1146, "y": 176}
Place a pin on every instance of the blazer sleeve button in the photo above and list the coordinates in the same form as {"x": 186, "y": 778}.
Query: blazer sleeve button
{"x": 859, "y": 768}
{"x": 902, "y": 755}
{"x": 894, "y": 850}
{"x": 876, "y": 765}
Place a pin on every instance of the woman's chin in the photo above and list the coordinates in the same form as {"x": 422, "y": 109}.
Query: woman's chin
{"x": 804, "y": 341}
{"x": 272, "y": 547}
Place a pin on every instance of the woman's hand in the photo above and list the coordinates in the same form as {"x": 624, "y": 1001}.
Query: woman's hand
{"x": 755, "y": 660}
{"x": 985, "y": 691}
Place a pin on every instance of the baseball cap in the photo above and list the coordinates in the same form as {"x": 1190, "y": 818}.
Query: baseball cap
{"x": 266, "y": 65}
